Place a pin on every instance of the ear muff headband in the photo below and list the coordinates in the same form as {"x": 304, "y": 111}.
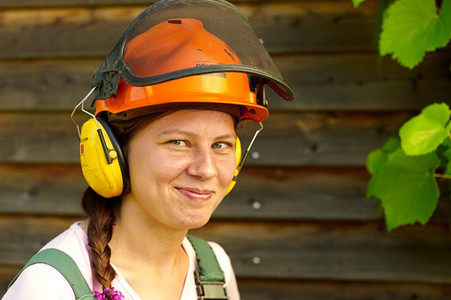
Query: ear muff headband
{"x": 238, "y": 161}
{"x": 102, "y": 162}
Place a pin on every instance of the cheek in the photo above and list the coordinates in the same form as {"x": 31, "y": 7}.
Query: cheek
{"x": 140, "y": 163}
{"x": 151, "y": 165}
{"x": 227, "y": 171}
{"x": 136, "y": 166}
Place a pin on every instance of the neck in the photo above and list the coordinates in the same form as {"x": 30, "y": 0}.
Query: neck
{"x": 148, "y": 254}
{"x": 148, "y": 242}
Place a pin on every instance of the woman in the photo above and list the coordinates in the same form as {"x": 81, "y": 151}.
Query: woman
{"x": 159, "y": 155}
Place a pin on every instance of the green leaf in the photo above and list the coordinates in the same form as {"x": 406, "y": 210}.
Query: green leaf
{"x": 378, "y": 157}
{"x": 448, "y": 165}
{"x": 407, "y": 188}
{"x": 412, "y": 27}
{"x": 424, "y": 133}
{"x": 382, "y": 6}
{"x": 447, "y": 155}
{"x": 357, "y": 2}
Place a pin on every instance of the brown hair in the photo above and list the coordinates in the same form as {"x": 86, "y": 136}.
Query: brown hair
{"x": 102, "y": 215}
{"x": 103, "y": 212}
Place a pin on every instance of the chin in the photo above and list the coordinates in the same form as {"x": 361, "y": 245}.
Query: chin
{"x": 194, "y": 222}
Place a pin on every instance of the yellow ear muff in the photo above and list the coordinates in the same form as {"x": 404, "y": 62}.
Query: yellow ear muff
{"x": 238, "y": 161}
{"x": 101, "y": 159}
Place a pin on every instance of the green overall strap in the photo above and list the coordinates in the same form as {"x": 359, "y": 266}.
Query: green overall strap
{"x": 209, "y": 276}
{"x": 66, "y": 266}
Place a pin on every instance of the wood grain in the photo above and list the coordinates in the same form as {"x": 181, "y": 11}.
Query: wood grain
{"x": 289, "y": 139}
{"x": 93, "y": 31}
{"x": 320, "y": 82}
{"x": 319, "y": 290}
{"x": 339, "y": 251}
{"x": 264, "y": 289}
{"x": 260, "y": 194}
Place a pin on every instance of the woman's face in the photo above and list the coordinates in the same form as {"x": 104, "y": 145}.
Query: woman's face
{"x": 180, "y": 168}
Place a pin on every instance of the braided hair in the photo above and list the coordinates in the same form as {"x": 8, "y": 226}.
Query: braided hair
{"x": 103, "y": 212}
{"x": 102, "y": 215}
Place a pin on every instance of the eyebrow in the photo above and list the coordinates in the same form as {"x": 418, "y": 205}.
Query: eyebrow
{"x": 193, "y": 134}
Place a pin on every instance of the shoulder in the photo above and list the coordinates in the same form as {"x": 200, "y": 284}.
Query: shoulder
{"x": 74, "y": 242}
{"x": 229, "y": 274}
{"x": 224, "y": 262}
{"x": 222, "y": 257}
{"x": 41, "y": 281}
{"x": 220, "y": 254}
{"x": 55, "y": 286}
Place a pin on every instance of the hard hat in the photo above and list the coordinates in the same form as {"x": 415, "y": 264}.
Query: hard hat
{"x": 177, "y": 44}
{"x": 188, "y": 51}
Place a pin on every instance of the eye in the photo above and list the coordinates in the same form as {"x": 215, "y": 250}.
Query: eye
{"x": 221, "y": 145}
{"x": 178, "y": 143}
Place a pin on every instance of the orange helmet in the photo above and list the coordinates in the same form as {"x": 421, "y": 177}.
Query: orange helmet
{"x": 182, "y": 44}
{"x": 182, "y": 52}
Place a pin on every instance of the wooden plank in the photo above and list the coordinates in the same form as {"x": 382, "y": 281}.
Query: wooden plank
{"x": 335, "y": 251}
{"x": 6, "y": 275}
{"x": 289, "y": 139}
{"x": 356, "y": 82}
{"x": 321, "y": 82}
{"x": 44, "y": 190}
{"x": 323, "y": 139}
{"x": 389, "y": 95}
{"x": 29, "y": 138}
{"x": 343, "y": 251}
{"x": 70, "y": 3}
{"x": 56, "y": 85}
{"x": 95, "y": 3}
{"x": 284, "y": 27}
{"x": 62, "y": 32}
{"x": 264, "y": 289}
{"x": 321, "y": 290}
{"x": 261, "y": 193}
{"x": 314, "y": 26}
{"x": 308, "y": 194}
{"x": 23, "y": 236}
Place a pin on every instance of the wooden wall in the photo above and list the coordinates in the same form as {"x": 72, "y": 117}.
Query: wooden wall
{"x": 297, "y": 226}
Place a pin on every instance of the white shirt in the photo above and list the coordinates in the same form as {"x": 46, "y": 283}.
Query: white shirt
{"x": 41, "y": 281}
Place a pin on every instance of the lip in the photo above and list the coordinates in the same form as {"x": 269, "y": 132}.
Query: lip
{"x": 196, "y": 195}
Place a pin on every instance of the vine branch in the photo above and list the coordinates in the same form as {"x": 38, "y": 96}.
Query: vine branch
{"x": 437, "y": 175}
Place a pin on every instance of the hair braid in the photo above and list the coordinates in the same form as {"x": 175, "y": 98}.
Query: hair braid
{"x": 102, "y": 211}
{"x": 102, "y": 215}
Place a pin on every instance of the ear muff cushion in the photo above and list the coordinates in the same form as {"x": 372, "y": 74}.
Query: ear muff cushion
{"x": 106, "y": 179}
{"x": 238, "y": 161}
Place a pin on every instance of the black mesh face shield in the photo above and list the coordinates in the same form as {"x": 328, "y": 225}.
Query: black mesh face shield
{"x": 178, "y": 38}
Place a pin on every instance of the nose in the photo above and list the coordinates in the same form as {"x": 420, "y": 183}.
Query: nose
{"x": 203, "y": 164}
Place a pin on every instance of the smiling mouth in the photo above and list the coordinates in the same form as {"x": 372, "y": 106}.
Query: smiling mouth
{"x": 196, "y": 194}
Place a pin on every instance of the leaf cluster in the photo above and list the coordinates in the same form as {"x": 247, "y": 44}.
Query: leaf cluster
{"x": 410, "y": 28}
{"x": 404, "y": 171}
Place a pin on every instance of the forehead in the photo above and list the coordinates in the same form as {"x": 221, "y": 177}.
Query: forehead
{"x": 195, "y": 121}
